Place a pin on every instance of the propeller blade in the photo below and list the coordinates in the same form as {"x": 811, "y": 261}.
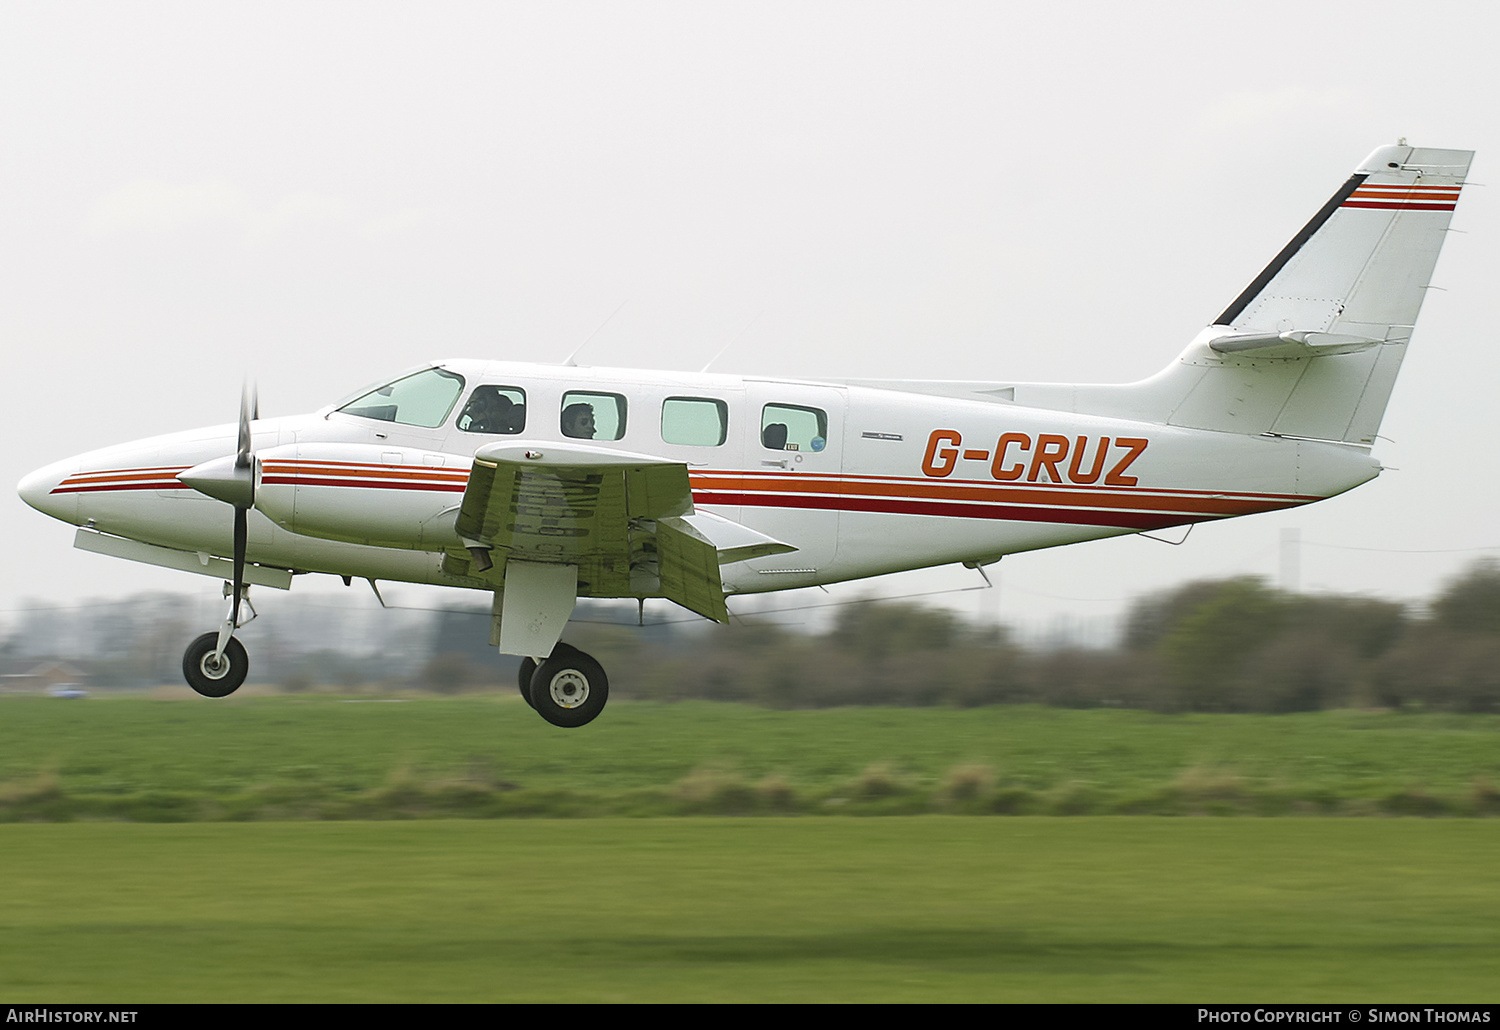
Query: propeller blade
{"x": 244, "y": 466}
{"x": 230, "y": 479}
{"x": 249, "y": 412}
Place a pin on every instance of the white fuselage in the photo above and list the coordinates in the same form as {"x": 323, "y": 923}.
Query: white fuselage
{"x": 897, "y": 480}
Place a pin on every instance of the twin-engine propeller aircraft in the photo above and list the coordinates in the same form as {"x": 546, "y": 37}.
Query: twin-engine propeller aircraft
{"x": 543, "y": 484}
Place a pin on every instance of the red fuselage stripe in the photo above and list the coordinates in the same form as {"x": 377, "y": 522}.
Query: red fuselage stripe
{"x": 1142, "y": 508}
{"x": 89, "y": 488}
{"x": 364, "y": 484}
{"x": 1005, "y": 512}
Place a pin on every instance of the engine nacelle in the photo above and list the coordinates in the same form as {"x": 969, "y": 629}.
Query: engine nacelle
{"x": 363, "y": 493}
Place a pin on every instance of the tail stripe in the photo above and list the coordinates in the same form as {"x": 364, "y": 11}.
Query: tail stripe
{"x": 1290, "y": 250}
{"x": 1405, "y": 198}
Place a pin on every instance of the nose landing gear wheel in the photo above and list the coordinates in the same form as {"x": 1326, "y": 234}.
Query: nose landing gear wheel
{"x": 569, "y": 689}
{"x": 215, "y": 678}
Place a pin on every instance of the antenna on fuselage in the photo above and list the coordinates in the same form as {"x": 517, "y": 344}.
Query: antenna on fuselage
{"x": 569, "y": 359}
{"x": 735, "y": 340}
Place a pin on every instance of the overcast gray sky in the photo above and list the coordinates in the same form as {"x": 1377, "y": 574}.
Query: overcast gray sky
{"x": 319, "y": 194}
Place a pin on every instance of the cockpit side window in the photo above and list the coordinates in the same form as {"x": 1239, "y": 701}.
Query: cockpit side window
{"x": 423, "y": 399}
{"x": 494, "y": 409}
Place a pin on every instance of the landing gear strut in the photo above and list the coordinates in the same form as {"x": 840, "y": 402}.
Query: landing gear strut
{"x": 216, "y": 663}
{"x": 567, "y": 689}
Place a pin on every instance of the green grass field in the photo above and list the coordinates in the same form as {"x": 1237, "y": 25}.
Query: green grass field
{"x": 486, "y": 756}
{"x": 146, "y": 854}
{"x": 916, "y": 909}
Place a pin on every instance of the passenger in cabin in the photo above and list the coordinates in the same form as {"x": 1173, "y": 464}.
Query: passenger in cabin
{"x": 578, "y": 421}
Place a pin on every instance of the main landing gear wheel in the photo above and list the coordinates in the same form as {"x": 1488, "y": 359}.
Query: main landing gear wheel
{"x": 528, "y": 668}
{"x": 215, "y": 677}
{"x": 569, "y": 689}
{"x": 523, "y": 676}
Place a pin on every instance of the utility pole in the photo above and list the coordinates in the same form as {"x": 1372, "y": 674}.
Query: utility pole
{"x": 1291, "y": 561}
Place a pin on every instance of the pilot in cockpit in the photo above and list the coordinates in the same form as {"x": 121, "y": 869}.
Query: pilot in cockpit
{"x": 490, "y": 411}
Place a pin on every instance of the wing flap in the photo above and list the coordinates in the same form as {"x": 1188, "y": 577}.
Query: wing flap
{"x": 689, "y": 564}
{"x": 733, "y": 540}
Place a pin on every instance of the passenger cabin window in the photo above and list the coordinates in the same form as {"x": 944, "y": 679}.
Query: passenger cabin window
{"x": 787, "y": 427}
{"x": 699, "y": 421}
{"x": 592, "y": 416}
{"x": 423, "y": 399}
{"x": 494, "y": 409}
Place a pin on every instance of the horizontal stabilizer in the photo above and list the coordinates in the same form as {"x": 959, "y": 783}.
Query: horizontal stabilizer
{"x": 1292, "y": 345}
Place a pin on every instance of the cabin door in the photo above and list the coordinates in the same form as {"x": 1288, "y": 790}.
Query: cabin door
{"x": 793, "y": 471}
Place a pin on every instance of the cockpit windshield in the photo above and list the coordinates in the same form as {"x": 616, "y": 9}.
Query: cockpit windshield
{"x": 423, "y": 399}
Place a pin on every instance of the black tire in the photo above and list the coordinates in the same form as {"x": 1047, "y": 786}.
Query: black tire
{"x": 528, "y": 668}
{"x": 523, "y": 677}
{"x": 569, "y": 689}
{"x": 210, "y": 681}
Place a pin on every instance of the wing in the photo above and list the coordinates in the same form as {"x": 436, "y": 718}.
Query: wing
{"x": 625, "y": 522}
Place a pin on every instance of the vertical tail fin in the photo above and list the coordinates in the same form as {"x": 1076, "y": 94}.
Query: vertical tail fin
{"x": 1363, "y": 261}
{"x": 1312, "y": 347}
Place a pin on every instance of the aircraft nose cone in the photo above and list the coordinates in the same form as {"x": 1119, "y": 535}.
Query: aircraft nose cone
{"x": 38, "y": 488}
